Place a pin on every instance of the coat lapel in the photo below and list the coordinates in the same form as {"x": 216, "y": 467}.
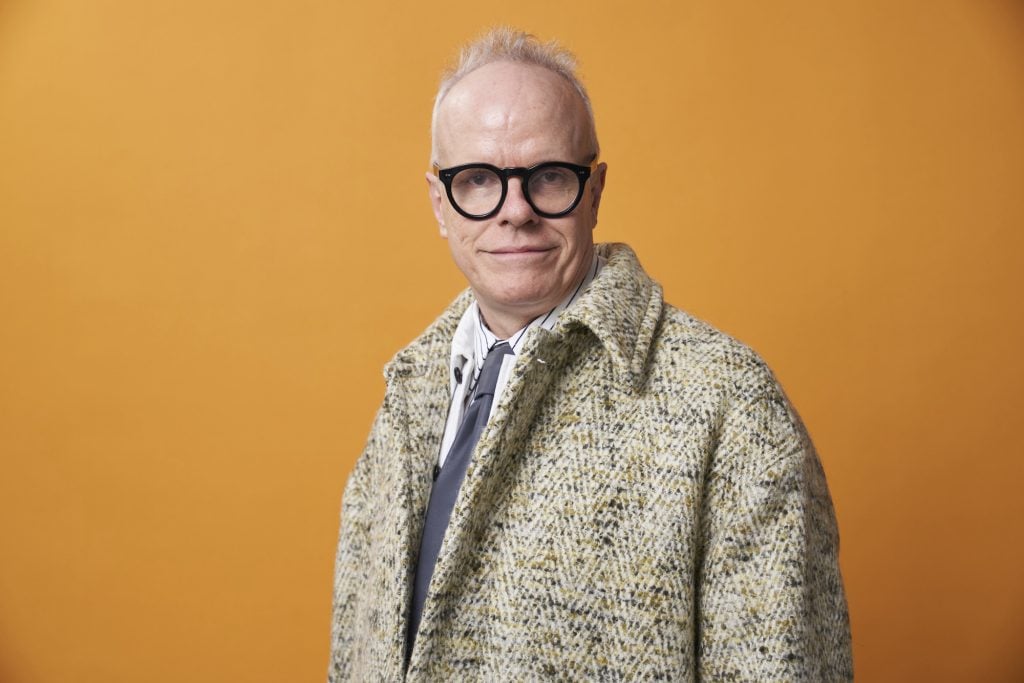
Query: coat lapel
{"x": 417, "y": 450}
{"x": 417, "y": 379}
{"x": 492, "y": 465}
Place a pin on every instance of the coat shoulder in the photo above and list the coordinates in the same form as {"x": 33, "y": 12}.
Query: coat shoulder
{"x": 689, "y": 349}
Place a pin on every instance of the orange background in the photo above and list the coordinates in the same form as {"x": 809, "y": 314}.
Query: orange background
{"x": 214, "y": 231}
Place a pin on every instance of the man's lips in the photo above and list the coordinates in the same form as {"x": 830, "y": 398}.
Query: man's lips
{"x": 518, "y": 250}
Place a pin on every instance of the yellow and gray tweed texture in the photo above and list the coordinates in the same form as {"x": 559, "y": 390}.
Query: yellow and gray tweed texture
{"x": 644, "y": 504}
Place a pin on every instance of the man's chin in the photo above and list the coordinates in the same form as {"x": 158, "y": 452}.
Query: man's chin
{"x": 526, "y": 302}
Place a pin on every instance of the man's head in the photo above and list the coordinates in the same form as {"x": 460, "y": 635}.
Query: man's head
{"x": 514, "y": 102}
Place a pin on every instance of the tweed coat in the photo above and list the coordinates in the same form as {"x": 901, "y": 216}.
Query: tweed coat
{"x": 644, "y": 504}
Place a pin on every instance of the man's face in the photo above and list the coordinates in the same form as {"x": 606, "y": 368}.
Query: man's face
{"x": 518, "y": 263}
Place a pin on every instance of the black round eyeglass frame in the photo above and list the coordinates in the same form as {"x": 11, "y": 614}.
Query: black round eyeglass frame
{"x": 447, "y": 175}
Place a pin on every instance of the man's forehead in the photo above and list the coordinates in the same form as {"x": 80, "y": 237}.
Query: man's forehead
{"x": 502, "y": 98}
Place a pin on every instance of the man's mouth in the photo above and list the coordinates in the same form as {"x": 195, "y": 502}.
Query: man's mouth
{"x": 519, "y": 250}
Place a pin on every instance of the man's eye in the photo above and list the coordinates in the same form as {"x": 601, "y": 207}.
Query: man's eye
{"x": 551, "y": 179}
{"x": 476, "y": 179}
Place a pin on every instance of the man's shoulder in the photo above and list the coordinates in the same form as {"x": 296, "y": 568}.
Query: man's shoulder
{"x": 685, "y": 329}
{"x": 693, "y": 349}
{"x": 628, "y": 312}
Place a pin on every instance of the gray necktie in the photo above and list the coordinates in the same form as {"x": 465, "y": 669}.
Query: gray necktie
{"x": 449, "y": 479}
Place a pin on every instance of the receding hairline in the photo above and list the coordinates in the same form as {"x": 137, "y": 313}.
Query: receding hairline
{"x": 505, "y": 44}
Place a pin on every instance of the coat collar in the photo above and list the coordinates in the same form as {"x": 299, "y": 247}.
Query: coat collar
{"x": 622, "y": 309}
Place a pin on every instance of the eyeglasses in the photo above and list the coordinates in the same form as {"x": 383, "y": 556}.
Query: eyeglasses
{"x": 552, "y": 188}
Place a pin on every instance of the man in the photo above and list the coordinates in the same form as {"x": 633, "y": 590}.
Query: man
{"x": 569, "y": 478}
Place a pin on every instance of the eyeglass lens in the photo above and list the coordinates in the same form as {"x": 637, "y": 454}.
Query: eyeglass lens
{"x": 551, "y": 189}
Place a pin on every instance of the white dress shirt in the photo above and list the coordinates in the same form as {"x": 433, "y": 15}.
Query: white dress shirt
{"x": 471, "y": 342}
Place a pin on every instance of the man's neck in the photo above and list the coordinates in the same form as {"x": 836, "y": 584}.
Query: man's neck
{"x": 505, "y": 325}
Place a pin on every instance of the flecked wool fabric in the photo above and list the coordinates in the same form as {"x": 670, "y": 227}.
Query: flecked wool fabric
{"x": 643, "y": 505}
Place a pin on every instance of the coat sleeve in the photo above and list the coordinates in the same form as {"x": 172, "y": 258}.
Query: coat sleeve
{"x": 771, "y": 605}
{"x": 352, "y": 561}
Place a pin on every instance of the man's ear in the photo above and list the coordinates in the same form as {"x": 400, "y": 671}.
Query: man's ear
{"x": 597, "y": 179}
{"x": 436, "y": 191}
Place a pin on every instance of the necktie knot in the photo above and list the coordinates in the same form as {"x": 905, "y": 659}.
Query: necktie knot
{"x": 492, "y": 368}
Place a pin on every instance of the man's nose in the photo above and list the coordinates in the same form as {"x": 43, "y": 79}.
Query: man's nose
{"x": 516, "y": 210}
